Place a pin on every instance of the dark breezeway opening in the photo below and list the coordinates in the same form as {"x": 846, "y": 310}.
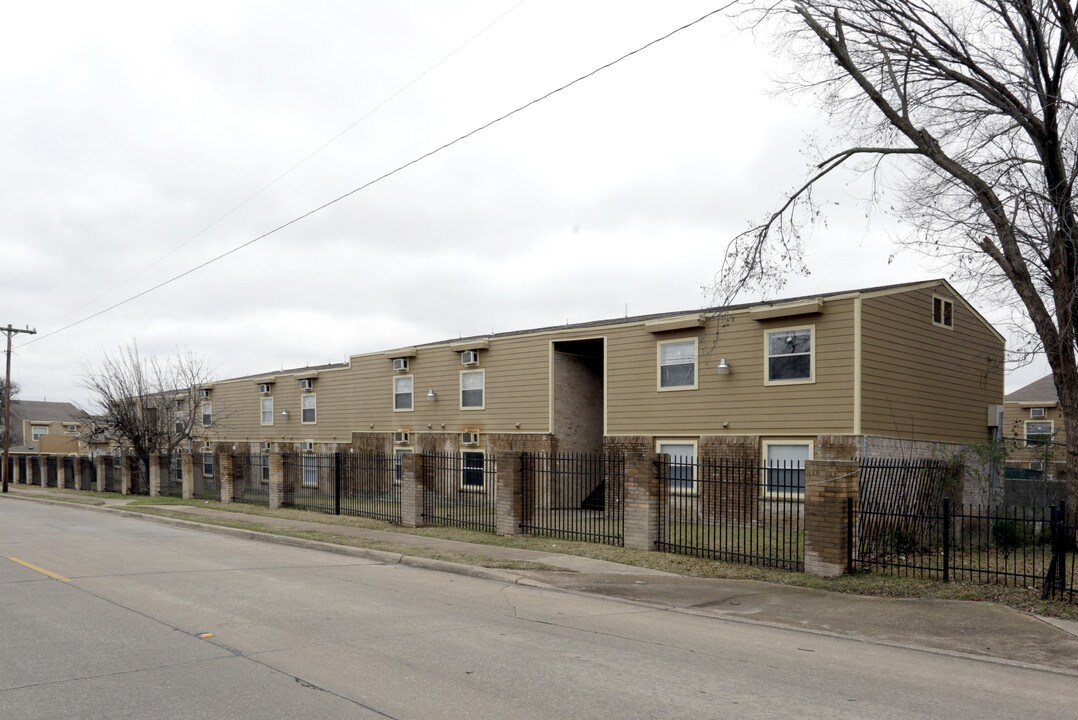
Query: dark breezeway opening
{"x": 577, "y": 412}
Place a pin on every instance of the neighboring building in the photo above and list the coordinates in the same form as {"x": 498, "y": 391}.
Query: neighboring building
{"x": 899, "y": 371}
{"x": 1033, "y": 428}
{"x": 45, "y": 427}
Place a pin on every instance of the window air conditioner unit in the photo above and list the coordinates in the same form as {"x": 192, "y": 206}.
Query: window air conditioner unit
{"x": 400, "y": 364}
{"x": 469, "y": 357}
{"x": 401, "y": 437}
{"x": 1036, "y": 465}
{"x": 204, "y": 394}
{"x": 264, "y": 389}
{"x": 306, "y": 384}
{"x": 469, "y": 438}
{"x": 1037, "y": 412}
{"x": 308, "y": 445}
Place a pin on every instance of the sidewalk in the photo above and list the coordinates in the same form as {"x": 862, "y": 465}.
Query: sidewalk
{"x": 978, "y": 629}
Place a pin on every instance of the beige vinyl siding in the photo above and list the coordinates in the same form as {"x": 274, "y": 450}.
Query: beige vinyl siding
{"x": 516, "y": 389}
{"x": 1015, "y": 417}
{"x": 925, "y": 382}
{"x": 740, "y": 399}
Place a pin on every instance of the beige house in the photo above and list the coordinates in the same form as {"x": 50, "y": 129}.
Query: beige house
{"x": 1033, "y": 427}
{"x": 900, "y": 371}
{"x": 50, "y": 428}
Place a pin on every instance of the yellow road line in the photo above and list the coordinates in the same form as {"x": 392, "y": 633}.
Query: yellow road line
{"x": 35, "y": 568}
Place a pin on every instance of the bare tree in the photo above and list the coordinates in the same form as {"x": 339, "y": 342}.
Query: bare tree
{"x": 967, "y": 110}
{"x": 144, "y": 403}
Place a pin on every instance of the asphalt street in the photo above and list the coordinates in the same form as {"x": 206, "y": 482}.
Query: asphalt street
{"x": 102, "y": 617}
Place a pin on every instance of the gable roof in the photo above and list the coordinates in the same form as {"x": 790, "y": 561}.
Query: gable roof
{"x": 1043, "y": 390}
{"x": 740, "y": 307}
{"x": 39, "y": 411}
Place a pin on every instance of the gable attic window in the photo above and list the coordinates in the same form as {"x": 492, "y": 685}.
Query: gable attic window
{"x": 942, "y": 312}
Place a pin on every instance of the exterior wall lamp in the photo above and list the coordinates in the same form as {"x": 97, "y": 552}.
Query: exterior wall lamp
{"x": 284, "y": 413}
{"x": 431, "y": 395}
{"x": 723, "y": 368}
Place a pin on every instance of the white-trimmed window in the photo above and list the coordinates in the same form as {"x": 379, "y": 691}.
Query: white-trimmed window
{"x": 677, "y": 364}
{"x": 789, "y": 355}
{"x": 1038, "y": 412}
{"x": 681, "y": 473}
{"x": 472, "y": 389}
{"x": 942, "y": 312}
{"x": 784, "y": 466}
{"x": 207, "y": 464}
{"x": 265, "y": 407}
{"x": 398, "y": 457}
{"x": 1039, "y": 432}
{"x": 473, "y": 470}
{"x": 264, "y": 450}
{"x": 402, "y": 393}
{"x": 37, "y": 431}
{"x": 307, "y": 407}
{"x": 207, "y": 413}
{"x": 309, "y": 465}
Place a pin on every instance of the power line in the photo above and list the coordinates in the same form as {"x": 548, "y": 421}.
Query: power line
{"x": 290, "y": 170}
{"x": 385, "y": 175}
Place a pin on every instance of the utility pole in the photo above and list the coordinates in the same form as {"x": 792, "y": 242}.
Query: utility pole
{"x": 9, "y": 331}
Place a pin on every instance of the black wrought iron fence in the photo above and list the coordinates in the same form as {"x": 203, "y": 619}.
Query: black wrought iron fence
{"x": 740, "y": 512}
{"x": 311, "y": 482}
{"x": 250, "y": 478}
{"x": 1061, "y": 582}
{"x": 112, "y": 474}
{"x": 140, "y": 475}
{"x": 371, "y": 485}
{"x": 205, "y": 485}
{"x": 460, "y": 490}
{"x": 1004, "y": 545}
{"x": 172, "y": 477}
{"x": 67, "y": 472}
{"x": 574, "y": 496}
{"x": 362, "y": 484}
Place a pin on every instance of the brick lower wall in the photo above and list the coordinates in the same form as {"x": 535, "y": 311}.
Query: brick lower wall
{"x": 577, "y": 419}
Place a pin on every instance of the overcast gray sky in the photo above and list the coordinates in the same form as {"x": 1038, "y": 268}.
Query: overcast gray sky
{"x": 129, "y": 128}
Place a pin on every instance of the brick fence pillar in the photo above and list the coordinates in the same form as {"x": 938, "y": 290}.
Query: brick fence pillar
{"x": 82, "y": 473}
{"x": 103, "y": 463}
{"x": 126, "y": 462}
{"x": 509, "y": 489}
{"x": 827, "y": 485}
{"x": 413, "y": 482}
{"x": 187, "y": 475}
{"x": 155, "y": 475}
{"x": 226, "y": 468}
{"x": 641, "y": 500}
{"x": 276, "y": 480}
